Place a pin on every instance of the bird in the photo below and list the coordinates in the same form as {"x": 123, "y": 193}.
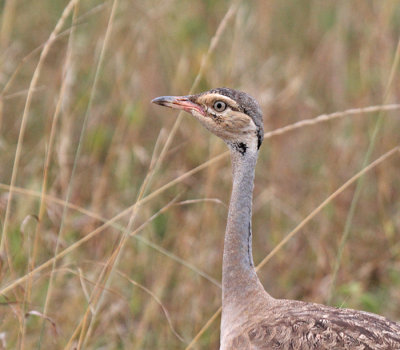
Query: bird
{"x": 251, "y": 318}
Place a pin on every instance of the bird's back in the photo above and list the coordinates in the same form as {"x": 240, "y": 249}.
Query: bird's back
{"x": 295, "y": 325}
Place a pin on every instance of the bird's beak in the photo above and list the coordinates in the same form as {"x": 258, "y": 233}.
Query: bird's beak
{"x": 178, "y": 102}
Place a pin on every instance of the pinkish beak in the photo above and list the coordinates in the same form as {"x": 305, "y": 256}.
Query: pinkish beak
{"x": 178, "y": 102}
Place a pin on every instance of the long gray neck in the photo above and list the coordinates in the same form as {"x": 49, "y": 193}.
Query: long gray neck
{"x": 239, "y": 279}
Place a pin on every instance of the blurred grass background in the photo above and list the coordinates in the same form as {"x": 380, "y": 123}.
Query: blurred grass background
{"x": 299, "y": 59}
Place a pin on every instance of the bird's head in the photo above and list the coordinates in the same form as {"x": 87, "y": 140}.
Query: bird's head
{"x": 232, "y": 115}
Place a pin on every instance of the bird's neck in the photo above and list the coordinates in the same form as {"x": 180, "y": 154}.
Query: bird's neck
{"x": 240, "y": 283}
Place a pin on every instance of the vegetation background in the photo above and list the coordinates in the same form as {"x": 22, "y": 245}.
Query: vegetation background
{"x": 80, "y": 145}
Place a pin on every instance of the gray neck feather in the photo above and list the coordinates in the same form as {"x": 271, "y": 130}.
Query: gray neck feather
{"x": 240, "y": 283}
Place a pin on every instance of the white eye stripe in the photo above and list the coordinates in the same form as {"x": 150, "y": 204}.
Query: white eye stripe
{"x": 210, "y": 99}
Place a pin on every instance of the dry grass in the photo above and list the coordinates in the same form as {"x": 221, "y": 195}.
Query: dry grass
{"x": 113, "y": 210}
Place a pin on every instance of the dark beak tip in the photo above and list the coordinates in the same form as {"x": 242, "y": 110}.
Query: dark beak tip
{"x": 158, "y": 100}
{"x": 177, "y": 102}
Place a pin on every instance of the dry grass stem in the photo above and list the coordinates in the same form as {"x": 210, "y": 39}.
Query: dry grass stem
{"x": 318, "y": 209}
{"x": 158, "y": 301}
{"x": 204, "y": 328}
{"x": 48, "y": 158}
{"x": 331, "y": 116}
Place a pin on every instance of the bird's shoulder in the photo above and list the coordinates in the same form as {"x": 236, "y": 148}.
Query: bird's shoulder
{"x": 293, "y": 325}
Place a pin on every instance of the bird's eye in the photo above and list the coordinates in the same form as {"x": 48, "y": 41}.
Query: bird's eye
{"x": 219, "y": 106}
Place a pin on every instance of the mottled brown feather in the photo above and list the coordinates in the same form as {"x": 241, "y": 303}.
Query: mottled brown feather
{"x": 296, "y": 325}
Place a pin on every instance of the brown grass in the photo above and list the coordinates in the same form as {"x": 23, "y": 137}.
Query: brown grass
{"x": 113, "y": 211}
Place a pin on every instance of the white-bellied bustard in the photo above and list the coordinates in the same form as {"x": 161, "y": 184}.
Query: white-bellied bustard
{"x": 251, "y": 318}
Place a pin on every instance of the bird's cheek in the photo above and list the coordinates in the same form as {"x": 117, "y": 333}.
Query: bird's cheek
{"x": 198, "y": 115}
{"x": 214, "y": 128}
{"x": 207, "y": 123}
